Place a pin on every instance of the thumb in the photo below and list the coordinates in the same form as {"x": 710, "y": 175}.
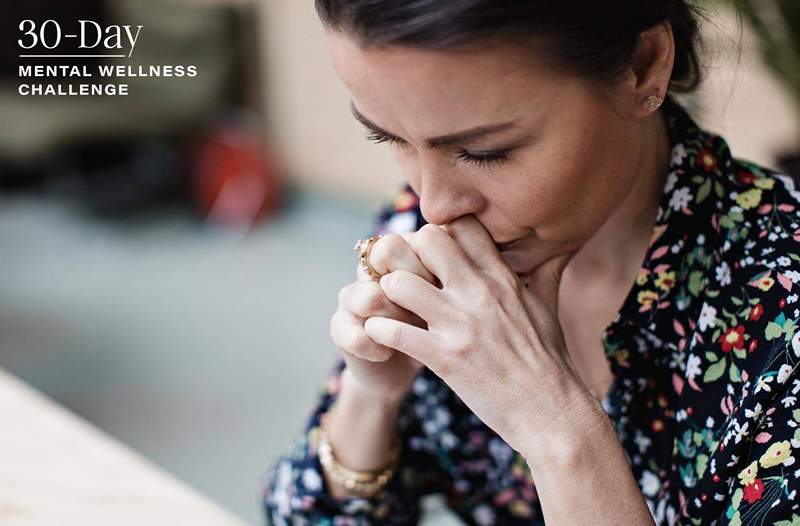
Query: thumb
{"x": 545, "y": 280}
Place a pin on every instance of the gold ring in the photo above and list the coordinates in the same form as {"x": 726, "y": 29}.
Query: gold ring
{"x": 363, "y": 247}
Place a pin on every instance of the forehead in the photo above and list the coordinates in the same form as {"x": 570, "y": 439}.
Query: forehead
{"x": 393, "y": 82}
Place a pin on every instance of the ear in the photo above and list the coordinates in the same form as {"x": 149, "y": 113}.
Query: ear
{"x": 653, "y": 60}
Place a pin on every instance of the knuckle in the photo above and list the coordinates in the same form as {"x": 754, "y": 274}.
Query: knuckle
{"x": 371, "y": 302}
{"x": 428, "y": 233}
{"x": 355, "y": 341}
{"x": 487, "y": 292}
{"x": 388, "y": 248}
{"x": 507, "y": 280}
{"x": 394, "y": 336}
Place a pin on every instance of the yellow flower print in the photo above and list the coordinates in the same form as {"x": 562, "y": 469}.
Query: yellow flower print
{"x": 748, "y": 474}
{"x": 765, "y": 283}
{"x": 641, "y": 279}
{"x": 778, "y": 453}
{"x": 749, "y": 199}
{"x": 520, "y": 508}
{"x": 764, "y": 182}
{"x": 647, "y": 297}
{"x": 665, "y": 280}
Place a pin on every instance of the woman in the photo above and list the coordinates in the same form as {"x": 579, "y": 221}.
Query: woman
{"x": 594, "y": 319}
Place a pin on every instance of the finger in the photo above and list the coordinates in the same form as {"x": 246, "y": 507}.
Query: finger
{"x": 366, "y": 298}
{"x": 441, "y": 254}
{"x": 394, "y": 252}
{"x": 476, "y": 242}
{"x": 414, "y": 294}
{"x": 544, "y": 282}
{"x": 347, "y": 333}
{"x": 412, "y": 341}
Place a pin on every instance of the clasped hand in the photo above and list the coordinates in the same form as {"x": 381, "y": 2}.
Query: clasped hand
{"x": 496, "y": 343}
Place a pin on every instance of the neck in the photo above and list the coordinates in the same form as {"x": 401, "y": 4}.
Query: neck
{"x": 627, "y": 231}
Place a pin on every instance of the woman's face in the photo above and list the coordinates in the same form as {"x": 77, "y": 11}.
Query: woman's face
{"x": 532, "y": 153}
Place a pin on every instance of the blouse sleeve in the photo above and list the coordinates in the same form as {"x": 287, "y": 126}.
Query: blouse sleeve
{"x": 294, "y": 488}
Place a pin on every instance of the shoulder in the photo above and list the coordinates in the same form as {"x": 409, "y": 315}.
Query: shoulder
{"x": 751, "y": 293}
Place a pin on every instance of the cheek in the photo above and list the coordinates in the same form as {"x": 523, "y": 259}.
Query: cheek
{"x": 565, "y": 194}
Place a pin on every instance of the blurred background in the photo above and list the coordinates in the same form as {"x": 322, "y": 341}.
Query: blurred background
{"x": 170, "y": 260}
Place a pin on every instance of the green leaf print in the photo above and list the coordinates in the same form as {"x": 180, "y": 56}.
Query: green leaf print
{"x": 773, "y": 331}
{"x": 737, "y": 497}
{"x": 702, "y": 463}
{"x": 714, "y": 371}
{"x": 734, "y": 373}
{"x": 711, "y": 357}
{"x": 695, "y": 282}
{"x": 789, "y": 328}
{"x": 703, "y": 191}
{"x": 794, "y": 521}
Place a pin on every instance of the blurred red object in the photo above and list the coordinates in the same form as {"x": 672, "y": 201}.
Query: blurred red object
{"x": 236, "y": 179}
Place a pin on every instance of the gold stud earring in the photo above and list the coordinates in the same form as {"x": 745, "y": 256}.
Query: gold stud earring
{"x": 652, "y": 103}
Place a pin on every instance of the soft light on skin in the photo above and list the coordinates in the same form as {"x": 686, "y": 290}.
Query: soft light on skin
{"x": 586, "y": 164}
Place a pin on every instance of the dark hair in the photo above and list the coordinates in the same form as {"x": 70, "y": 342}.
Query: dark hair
{"x": 593, "y": 39}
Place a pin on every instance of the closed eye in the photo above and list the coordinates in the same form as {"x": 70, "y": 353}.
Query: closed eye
{"x": 478, "y": 158}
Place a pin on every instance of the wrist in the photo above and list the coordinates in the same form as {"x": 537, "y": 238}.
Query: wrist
{"x": 582, "y": 431}
{"x": 355, "y": 393}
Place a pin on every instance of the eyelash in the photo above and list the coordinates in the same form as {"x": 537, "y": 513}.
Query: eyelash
{"x": 484, "y": 159}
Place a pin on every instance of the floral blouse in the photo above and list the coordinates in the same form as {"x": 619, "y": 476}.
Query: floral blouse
{"x": 704, "y": 353}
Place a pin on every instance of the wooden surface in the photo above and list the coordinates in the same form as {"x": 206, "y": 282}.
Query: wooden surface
{"x": 55, "y": 468}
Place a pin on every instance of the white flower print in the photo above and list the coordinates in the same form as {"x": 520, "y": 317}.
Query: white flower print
{"x": 678, "y": 153}
{"x": 280, "y": 493}
{"x": 755, "y": 413}
{"x": 784, "y": 261}
{"x": 740, "y": 431}
{"x": 501, "y": 451}
{"x": 707, "y": 317}
{"x": 312, "y": 480}
{"x": 724, "y": 273}
{"x": 483, "y": 515}
{"x": 692, "y": 366}
{"x": 649, "y": 483}
{"x": 642, "y": 441}
{"x": 680, "y": 199}
{"x": 796, "y": 344}
{"x": 763, "y": 384}
{"x": 672, "y": 178}
{"x": 784, "y": 372}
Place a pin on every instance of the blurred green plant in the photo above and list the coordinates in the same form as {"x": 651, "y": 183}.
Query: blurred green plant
{"x": 776, "y": 24}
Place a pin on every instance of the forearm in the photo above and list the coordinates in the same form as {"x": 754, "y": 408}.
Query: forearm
{"x": 360, "y": 430}
{"x": 582, "y": 475}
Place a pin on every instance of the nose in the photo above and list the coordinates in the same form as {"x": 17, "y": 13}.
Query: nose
{"x": 442, "y": 201}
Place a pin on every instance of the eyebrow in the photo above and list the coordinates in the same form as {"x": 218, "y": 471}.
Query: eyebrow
{"x": 442, "y": 140}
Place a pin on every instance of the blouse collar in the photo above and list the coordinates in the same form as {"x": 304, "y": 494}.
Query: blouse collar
{"x": 658, "y": 302}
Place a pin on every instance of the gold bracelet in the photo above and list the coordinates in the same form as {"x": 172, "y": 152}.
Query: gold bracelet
{"x": 363, "y": 482}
